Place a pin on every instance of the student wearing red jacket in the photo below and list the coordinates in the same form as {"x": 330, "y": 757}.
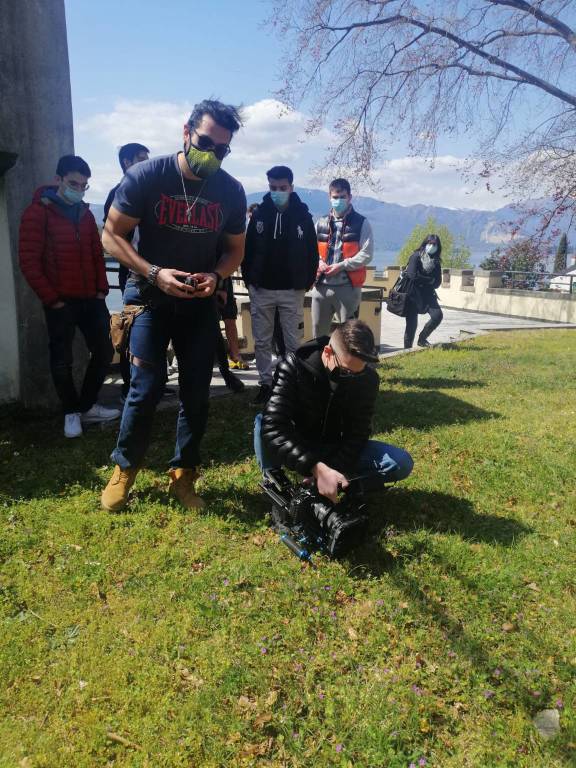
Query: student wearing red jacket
{"x": 61, "y": 257}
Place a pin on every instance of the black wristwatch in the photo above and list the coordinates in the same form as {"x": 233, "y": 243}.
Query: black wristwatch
{"x": 219, "y": 281}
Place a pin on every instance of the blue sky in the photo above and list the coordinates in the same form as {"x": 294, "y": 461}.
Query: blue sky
{"x": 138, "y": 67}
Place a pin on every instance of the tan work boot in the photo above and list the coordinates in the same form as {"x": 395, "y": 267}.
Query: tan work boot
{"x": 115, "y": 495}
{"x": 183, "y": 487}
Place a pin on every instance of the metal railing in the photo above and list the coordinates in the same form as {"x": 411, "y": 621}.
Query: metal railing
{"x": 237, "y": 279}
{"x": 539, "y": 281}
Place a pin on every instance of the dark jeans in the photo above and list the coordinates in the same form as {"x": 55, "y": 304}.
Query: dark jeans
{"x": 192, "y": 329}
{"x": 412, "y": 323}
{"x": 381, "y": 462}
{"x": 92, "y": 318}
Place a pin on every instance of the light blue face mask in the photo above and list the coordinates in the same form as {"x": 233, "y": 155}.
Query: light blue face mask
{"x": 72, "y": 196}
{"x": 280, "y": 198}
{"x": 339, "y": 204}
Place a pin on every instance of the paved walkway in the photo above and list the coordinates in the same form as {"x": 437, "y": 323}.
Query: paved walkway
{"x": 456, "y": 326}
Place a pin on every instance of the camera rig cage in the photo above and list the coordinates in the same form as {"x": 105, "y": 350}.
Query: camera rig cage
{"x": 310, "y": 522}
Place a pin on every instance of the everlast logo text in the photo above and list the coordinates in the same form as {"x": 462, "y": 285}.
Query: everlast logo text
{"x": 204, "y": 215}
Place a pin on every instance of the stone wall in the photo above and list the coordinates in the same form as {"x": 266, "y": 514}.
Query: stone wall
{"x": 482, "y": 291}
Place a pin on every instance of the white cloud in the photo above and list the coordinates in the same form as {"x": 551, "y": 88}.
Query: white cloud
{"x": 272, "y": 135}
{"x": 411, "y": 180}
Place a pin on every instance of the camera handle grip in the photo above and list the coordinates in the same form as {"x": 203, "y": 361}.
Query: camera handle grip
{"x": 294, "y": 547}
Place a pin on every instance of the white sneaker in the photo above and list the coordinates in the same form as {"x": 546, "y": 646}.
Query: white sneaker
{"x": 72, "y": 425}
{"x": 99, "y": 413}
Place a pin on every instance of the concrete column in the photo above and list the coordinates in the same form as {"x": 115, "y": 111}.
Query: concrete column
{"x": 484, "y": 279}
{"x": 35, "y": 124}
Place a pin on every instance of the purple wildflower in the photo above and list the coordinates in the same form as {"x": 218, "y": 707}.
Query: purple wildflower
{"x": 263, "y": 650}
{"x": 321, "y": 695}
{"x": 488, "y": 694}
{"x": 422, "y": 762}
{"x": 497, "y": 672}
{"x": 225, "y": 582}
{"x": 339, "y": 747}
{"x": 559, "y": 704}
{"x": 417, "y": 690}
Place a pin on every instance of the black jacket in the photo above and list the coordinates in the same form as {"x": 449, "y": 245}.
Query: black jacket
{"x": 424, "y": 283}
{"x": 309, "y": 419}
{"x": 300, "y": 242}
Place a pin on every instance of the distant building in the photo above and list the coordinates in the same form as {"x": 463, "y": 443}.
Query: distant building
{"x": 35, "y": 130}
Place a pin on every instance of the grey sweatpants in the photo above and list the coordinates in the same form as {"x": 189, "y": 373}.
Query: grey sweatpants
{"x": 263, "y": 305}
{"x": 340, "y": 300}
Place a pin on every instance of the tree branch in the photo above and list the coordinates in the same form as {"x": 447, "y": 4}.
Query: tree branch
{"x": 527, "y": 77}
{"x": 551, "y": 21}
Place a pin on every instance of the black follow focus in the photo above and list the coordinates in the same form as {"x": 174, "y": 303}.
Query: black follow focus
{"x": 311, "y": 521}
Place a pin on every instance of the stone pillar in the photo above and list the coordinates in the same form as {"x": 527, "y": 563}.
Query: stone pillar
{"x": 484, "y": 279}
{"x": 35, "y": 125}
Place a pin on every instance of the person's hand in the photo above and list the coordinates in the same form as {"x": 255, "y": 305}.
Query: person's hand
{"x": 322, "y": 267}
{"x": 167, "y": 281}
{"x": 332, "y": 269}
{"x": 58, "y": 305}
{"x": 206, "y": 284}
{"x": 329, "y": 481}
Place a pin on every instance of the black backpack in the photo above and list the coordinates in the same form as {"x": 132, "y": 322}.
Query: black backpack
{"x": 400, "y": 296}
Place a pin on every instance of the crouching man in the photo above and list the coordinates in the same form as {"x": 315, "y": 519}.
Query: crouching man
{"x": 318, "y": 418}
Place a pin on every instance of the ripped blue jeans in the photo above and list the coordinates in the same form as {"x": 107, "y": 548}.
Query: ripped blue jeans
{"x": 192, "y": 329}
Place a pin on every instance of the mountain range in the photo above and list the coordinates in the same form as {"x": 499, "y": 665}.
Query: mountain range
{"x": 392, "y": 223}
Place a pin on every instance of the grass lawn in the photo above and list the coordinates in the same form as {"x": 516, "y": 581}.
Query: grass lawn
{"x": 160, "y": 638}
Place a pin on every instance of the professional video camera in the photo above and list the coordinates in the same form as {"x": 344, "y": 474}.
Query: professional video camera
{"x": 311, "y": 521}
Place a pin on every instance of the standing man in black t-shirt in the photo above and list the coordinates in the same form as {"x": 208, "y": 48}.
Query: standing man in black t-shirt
{"x": 128, "y": 155}
{"x": 280, "y": 266}
{"x": 182, "y": 204}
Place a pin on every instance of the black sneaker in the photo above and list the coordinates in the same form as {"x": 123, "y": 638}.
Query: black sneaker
{"x": 263, "y": 395}
{"x": 424, "y": 343}
{"x": 232, "y": 382}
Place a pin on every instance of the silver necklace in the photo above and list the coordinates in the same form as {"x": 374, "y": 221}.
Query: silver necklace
{"x": 189, "y": 208}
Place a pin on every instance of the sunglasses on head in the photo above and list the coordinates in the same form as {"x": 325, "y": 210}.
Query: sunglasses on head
{"x": 205, "y": 144}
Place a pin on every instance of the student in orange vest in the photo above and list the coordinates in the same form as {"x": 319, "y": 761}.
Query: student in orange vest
{"x": 346, "y": 246}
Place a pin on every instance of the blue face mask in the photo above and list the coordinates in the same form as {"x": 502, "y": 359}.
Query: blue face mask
{"x": 72, "y": 196}
{"x": 339, "y": 204}
{"x": 280, "y": 198}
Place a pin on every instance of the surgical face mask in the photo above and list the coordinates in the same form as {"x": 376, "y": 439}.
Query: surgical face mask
{"x": 201, "y": 164}
{"x": 430, "y": 249}
{"x": 280, "y": 198}
{"x": 72, "y": 196}
{"x": 339, "y": 204}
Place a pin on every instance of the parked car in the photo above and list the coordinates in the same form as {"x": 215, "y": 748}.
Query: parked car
{"x": 565, "y": 282}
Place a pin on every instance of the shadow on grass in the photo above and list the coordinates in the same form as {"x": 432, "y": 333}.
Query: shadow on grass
{"x": 36, "y": 460}
{"x": 422, "y": 410}
{"x": 436, "y": 383}
{"x": 402, "y": 509}
{"x": 480, "y": 653}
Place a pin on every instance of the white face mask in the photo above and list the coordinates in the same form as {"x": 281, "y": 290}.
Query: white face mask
{"x": 430, "y": 249}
